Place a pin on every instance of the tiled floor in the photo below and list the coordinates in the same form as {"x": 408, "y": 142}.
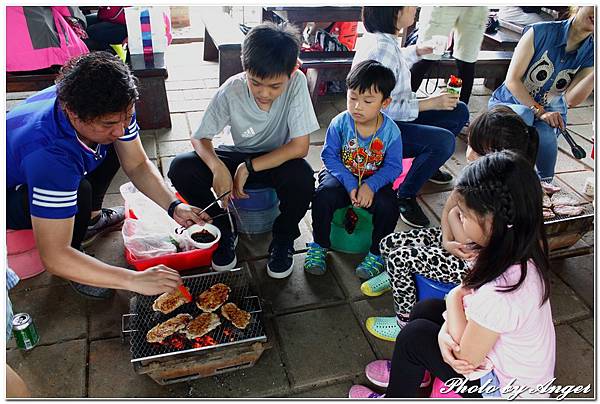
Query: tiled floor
{"x": 320, "y": 343}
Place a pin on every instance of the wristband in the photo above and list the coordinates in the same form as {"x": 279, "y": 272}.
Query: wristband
{"x": 172, "y": 206}
{"x": 249, "y": 167}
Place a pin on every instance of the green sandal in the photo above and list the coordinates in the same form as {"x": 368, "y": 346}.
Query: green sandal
{"x": 385, "y": 328}
{"x": 377, "y": 285}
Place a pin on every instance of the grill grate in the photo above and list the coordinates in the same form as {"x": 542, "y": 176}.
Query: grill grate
{"x": 588, "y": 208}
{"x": 143, "y": 318}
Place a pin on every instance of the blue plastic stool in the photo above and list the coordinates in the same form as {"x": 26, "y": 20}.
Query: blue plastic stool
{"x": 430, "y": 289}
{"x": 257, "y": 214}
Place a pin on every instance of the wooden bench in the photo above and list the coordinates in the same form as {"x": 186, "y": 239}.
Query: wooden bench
{"x": 322, "y": 67}
{"x": 152, "y": 109}
{"x": 222, "y": 42}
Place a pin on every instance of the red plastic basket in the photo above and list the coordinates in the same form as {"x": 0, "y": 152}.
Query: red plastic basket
{"x": 179, "y": 261}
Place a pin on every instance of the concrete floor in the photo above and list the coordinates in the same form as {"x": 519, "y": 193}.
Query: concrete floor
{"x": 320, "y": 344}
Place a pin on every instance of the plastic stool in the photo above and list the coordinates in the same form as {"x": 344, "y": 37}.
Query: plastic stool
{"x": 359, "y": 242}
{"x": 256, "y": 214}
{"x": 430, "y": 289}
{"x": 23, "y": 256}
{"x": 436, "y": 393}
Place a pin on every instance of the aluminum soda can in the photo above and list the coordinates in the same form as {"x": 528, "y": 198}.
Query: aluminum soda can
{"x": 24, "y": 331}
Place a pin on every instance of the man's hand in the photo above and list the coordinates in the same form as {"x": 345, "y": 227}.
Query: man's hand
{"x": 459, "y": 250}
{"x": 187, "y": 215}
{"x": 365, "y": 196}
{"x": 222, "y": 182}
{"x": 448, "y": 348}
{"x": 444, "y": 101}
{"x": 553, "y": 119}
{"x": 154, "y": 281}
{"x": 239, "y": 180}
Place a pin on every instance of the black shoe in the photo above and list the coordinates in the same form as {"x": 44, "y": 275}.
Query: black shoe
{"x": 281, "y": 259}
{"x": 223, "y": 258}
{"x": 92, "y": 292}
{"x": 411, "y": 213}
{"x": 441, "y": 177}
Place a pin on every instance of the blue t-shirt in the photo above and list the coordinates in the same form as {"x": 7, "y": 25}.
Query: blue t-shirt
{"x": 551, "y": 69}
{"x": 44, "y": 153}
{"x": 346, "y": 155}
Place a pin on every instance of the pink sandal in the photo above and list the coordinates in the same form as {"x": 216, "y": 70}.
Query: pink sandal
{"x": 378, "y": 373}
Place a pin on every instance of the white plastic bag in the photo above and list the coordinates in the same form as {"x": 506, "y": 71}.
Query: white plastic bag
{"x": 143, "y": 243}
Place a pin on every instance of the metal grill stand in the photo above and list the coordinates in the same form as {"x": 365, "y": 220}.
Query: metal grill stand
{"x": 234, "y": 348}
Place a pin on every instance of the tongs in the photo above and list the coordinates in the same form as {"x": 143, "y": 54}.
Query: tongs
{"x": 577, "y": 151}
{"x": 180, "y": 230}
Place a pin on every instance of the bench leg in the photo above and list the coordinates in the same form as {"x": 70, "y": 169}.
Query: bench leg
{"x": 152, "y": 109}
{"x": 230, "y": 63}
{"x": 211, "y": 53}
{"x": 313, "y": 77}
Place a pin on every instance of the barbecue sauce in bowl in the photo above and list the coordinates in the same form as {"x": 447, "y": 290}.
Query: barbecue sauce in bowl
{"x": 203, "y": 236}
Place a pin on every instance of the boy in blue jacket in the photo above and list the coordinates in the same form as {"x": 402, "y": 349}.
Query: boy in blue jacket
{"x": 362, "y": 156}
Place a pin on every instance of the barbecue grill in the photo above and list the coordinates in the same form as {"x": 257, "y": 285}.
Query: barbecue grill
{"x": 224, "y": 349}
{"x": 564, "y": 231}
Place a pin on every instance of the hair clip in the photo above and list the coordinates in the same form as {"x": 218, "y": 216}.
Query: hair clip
{"x": 509, "y": 226}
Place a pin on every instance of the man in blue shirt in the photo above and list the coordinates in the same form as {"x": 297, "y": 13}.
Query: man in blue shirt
{"x": 63, "y": 147}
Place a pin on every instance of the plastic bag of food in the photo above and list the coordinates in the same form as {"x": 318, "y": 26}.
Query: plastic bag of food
{"x": 143, "y": 243}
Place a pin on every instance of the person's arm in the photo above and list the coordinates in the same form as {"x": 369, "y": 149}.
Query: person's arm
{"x": 146, "y": 177}
{"x": 581, "y": 87}
{"x": 474, "y": 340}
{"x": 53, "y": 239}
{"x": 331, "y": 156}
{"x": 522, "y": 56}
{"x": 390, "y": 169}
{"x": 296, "y": 148}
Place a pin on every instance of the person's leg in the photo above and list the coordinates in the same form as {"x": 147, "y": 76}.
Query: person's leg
{"x": 432, "y": 262}
{"x": 547, "y": 149}
{"x": 466, "y": 71}
{"x": 192, "y": 178}
{"x": 453, "y": 120}
{"x": 329, "y": 196}
{"x": 417, "y": 350}
{"x": 411, "y": 238}
{"x": 469, "y": 30}
{"x": 295, "y": 186}
{"x": 418, "y": 72}
{"x": 84, "y": 213}
{"x": 17, "y": 208}
{"x": 101, "y": 219}
{"x": 430, "y": 146}
{"x": 15, "y": 386}
{"x": 385, "y": 216}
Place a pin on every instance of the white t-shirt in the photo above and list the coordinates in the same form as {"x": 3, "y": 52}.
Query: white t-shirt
{"x": 234, "y": 109}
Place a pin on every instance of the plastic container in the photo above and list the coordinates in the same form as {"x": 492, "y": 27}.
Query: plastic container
{"x": 436, "y": 393}
{"x": 23, "y": 256}
{"x": 214, "y": 230}
{"x": 430, "y": 289}
{"x": 359, "y": 242}
{"x": 179, "y": 261}
{"x": 256, "y": 214}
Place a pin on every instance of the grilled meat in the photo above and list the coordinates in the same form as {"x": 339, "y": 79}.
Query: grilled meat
{"x": 568, "y": 210}
{"x": 549, "y": 188}
{"x": 238, "y": 317}
{"x": 563, "y": 199}
{"x": 548, "y": 214}
{"x": 167, "y": 302}
{"x": 161, "y": 331}
{"x": 212, "y": 298}
{"x": 546, "y": 202}
{"x": 202, "y": 325}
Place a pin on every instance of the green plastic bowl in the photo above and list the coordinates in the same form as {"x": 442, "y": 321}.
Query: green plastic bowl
{"x": 359, "y": 242}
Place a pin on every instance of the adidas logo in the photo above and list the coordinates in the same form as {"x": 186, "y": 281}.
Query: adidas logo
{"x": 248, "y": 133}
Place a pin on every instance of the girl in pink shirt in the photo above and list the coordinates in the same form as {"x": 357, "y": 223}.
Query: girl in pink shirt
{"x": 497, "y": 324}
